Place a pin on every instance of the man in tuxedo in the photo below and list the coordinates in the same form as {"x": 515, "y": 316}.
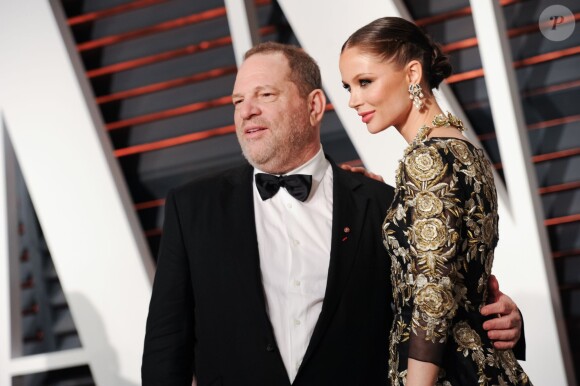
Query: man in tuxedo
{"x": 274, "y": 273}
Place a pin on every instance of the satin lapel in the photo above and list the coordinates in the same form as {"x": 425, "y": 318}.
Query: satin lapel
{"x": 348, "y": 215}
{"x": 247, "y": 254}
{"x": 245, "y": 242}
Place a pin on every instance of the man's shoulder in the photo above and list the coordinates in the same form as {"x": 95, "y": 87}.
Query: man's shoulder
{"x": 211, "y": 183}
{"x": 378, "y": 192}
{"x": 365, "y": 182}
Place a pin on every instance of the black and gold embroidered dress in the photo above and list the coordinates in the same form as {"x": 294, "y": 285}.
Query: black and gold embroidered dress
{"x": 440, "y": 232}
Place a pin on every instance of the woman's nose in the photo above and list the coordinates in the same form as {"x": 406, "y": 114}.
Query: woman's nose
{"x": 353, "y": 101}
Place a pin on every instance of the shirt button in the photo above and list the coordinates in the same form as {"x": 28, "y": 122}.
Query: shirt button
{"x": 289, "y": 205}
{"x": 296, "y": 283}
{"x": 296, "y": 322}
{"x": 296, "y": 242}
{"x": 270, "y": 347}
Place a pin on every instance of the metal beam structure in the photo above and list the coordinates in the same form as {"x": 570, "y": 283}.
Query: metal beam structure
{"x": 9, "y": 294}
{"x": 41, "y": 363}
{"x": 67, "y": 161}
{"x": 534, "y": 259}
{"x": 243, "y": 23}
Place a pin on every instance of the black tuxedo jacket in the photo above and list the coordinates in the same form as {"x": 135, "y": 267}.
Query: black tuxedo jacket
{"x": 208, "y": 313}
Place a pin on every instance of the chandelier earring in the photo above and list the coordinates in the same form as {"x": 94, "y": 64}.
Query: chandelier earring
{"x": 416, "y": 94}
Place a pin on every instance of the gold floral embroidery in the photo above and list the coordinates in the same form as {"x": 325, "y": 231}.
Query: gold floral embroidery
{"x": 430, "y": 234}
{"x": 400, "y": 212}
{"x": 448, "y": 120}
{"x": 424, "y": 164}
{"x": 466, "y": 338}
{"x": 461, "y": 151}
{"x": 428, "y": 205}
{"x": 488, "y": 228}
{"x": 431, "y": 263}
{"x": 435, "y": 300}
{"x": 440, "y": 232}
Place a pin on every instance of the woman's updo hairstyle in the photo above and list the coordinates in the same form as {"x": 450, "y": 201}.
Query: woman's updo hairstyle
{"x": 402, "y": 41}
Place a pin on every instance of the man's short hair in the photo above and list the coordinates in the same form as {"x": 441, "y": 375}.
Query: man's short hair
{"x": 304, "y": 72}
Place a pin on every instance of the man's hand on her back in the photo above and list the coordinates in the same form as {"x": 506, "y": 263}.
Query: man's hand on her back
{"x": 505, "y": 330}
{"x": 360, "y": 169}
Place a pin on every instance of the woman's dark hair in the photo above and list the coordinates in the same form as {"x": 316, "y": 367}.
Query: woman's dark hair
{"x": 394, "y": 38}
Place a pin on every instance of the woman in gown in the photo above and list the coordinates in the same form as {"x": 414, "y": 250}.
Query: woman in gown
{"x": 441, "y": 229}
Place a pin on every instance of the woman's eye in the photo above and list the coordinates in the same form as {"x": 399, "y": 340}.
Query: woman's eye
{"x": 346, "y": 87}
{"x": 364, "y": 82}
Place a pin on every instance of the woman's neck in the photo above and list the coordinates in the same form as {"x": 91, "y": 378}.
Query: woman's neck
{"x": 416, "y": 119}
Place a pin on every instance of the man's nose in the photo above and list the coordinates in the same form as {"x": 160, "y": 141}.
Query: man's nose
{"x": 248, "y": 109}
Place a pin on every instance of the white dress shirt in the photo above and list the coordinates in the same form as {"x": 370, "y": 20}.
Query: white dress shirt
{"x": 294, "y": 243}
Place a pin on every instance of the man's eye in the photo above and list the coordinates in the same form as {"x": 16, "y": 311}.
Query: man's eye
{"x": 236, "y": 101}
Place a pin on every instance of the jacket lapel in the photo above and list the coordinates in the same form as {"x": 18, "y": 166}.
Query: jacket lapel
{"x": 245, "y": 241}
{"x": 348, "y": 214}
{"x": 247, "y": 255}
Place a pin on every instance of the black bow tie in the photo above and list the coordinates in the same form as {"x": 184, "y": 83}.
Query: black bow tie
{"x": 298, "y": 185}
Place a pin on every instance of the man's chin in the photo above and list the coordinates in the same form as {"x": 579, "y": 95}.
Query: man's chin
{"x": 258, "y": 160}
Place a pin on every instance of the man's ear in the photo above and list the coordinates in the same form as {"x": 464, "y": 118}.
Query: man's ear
{"x": 414, "y": 72}
{"x": 316, "y": 106}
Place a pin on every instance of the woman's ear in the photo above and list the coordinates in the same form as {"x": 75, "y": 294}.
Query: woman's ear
{"x": 414, "y": 72}
{"x": 316, "y": 106}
